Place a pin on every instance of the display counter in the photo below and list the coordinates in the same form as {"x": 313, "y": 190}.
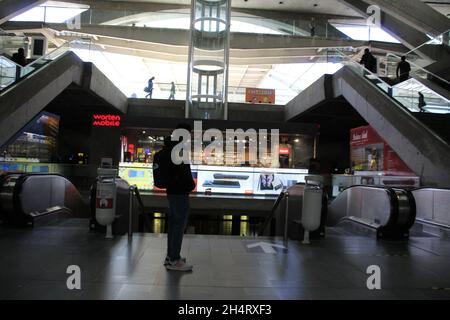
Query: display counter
{"x": 341, "y": 182}
{"x": 222, "y": 180}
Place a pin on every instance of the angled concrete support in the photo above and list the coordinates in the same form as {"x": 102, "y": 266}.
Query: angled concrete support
{"x": 420, "y": 148}
{"x": 22, "y": 102}
{"x": 12, "y": 8}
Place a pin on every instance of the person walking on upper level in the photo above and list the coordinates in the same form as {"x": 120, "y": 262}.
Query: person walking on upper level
{"x": 312, "y": 27}
{"x": 149, "y": 88}
{"x": 422, "y": 103}
{"x": 369, "y": 61}
{"x": 403, "y": 69}
{"x": 172, "y": 91}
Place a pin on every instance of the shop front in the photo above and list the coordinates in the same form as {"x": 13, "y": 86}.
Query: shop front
{"x": 277, "y": 168}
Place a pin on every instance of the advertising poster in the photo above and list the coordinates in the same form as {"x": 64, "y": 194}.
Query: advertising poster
{"x": 369, "y": 152}
{"x": 213, "y": 179}
{"x": 139, "y": 174}
{"x": 255, "y": 95}
{"x": 37, "y": 141}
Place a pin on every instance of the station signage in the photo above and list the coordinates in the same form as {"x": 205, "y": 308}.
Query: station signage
{"x": 106, "y": 120}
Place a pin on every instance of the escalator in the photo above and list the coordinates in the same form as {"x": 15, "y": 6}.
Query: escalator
{"x": 28, "y": 199}
{"x": 394, "y": 114}
{"x": 388, "y": 212}
{"x": 432, "y": 211}
{"x": 381, "y": 212}
{"x": 25, "y": 95}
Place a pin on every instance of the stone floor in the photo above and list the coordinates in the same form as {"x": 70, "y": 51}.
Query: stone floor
{"x": 33, "y": 265}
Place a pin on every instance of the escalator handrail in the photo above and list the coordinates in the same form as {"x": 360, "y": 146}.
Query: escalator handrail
{"x": 138, "y": 197}
{"x": 425, "y": 43}
{"x": 392, "y": 222}
{"x": 429, "y": 188}
{"x": 31, "y": 73}
{"x": 275, "y": 206}
{"x": 4, "y": 56}
{"x": 66, "y": 48}
{"x": 421, "y": 69}
{"x": 398, "y": 103}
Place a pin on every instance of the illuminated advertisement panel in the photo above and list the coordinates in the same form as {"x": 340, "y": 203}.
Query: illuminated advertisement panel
{"x": 213, "y": 179}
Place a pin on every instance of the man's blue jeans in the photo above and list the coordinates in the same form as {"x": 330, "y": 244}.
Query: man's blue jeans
{"x": 177, "y": 220}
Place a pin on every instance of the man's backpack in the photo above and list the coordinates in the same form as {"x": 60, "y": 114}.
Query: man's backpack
{"x": 161, "y": 168}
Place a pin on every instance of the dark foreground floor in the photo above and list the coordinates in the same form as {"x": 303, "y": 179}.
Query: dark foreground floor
{"x": 34, "y": 262}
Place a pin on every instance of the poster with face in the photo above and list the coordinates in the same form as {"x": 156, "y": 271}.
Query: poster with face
{"x": 266, "y": 181}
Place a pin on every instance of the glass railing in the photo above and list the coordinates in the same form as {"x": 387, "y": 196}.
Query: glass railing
{"x": 10, "y": 73}
{"x": 240, "y": 22}
{"x": 287, "y": 81}
{"x": 392, "y": 61}
{"x": 430, "y": 48}
{"x": 141, "y": 17}
{"x": 411, "y": 94}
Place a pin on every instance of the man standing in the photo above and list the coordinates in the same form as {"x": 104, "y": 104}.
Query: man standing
{"x": 369, "y": 61}
{"x": 179, "y": 184}
{"x": 403, "y": 69}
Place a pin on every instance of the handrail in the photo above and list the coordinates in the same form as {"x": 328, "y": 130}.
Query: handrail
{"x": 428, "y": 42}
{"x": 2, "y": 55}
{"x": 272, "y": 212}
{"x": 26, "y": 71}
{"x": 138, "y": 196}
{"x": 419, "y": 67}
{"x": 27, "y": 75}
{"x": 382, "y": 84}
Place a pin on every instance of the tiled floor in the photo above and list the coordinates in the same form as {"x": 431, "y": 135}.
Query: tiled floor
{"x": 33, "y": 265}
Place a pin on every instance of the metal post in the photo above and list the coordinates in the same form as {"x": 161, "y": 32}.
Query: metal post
{"x": 130, "y": 215}
{"x": 286, "y": 220}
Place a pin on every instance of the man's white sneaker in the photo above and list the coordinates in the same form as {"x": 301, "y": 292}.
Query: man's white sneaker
{"x": 179, "y": 265}
{"x": 167, "y": 260}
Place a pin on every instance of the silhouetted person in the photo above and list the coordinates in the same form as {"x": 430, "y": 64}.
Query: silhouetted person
{"x": 314, "y": 166}
{"x": 312, "y": 27}
{"x": 172, "y": 91}
{"x": 422, "y": 103}
{"x": 149, "y": 88}
{"x": 179, "y": 184}
{"x": 369, "y": 61}
{"x": 19, "y": 57}
{"x": 403, "y": 69}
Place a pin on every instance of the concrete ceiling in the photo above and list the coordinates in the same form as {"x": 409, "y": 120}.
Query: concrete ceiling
{"x": 309, "y": 6}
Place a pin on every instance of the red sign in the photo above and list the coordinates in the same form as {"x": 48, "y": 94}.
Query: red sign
{"x": 104, "y": 203}
{"x": 369, "y": 152}
{"x": 364, "y": 135}
{"x": 255, "y": 95}
{"x": 106, "y": 120}
{"x": 284, "y": 150}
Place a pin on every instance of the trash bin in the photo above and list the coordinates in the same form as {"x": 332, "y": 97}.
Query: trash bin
{"x": 105, "y": 199}
{"x": 312, "y": 205}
